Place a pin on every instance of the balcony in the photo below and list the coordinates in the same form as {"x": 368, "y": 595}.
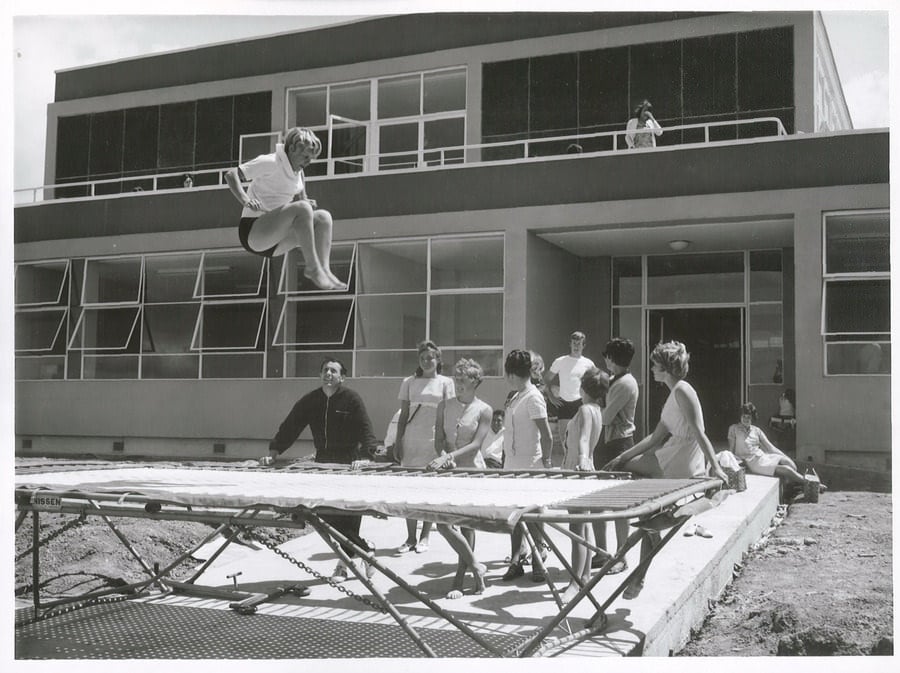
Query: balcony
{"x": 517, "y": 151}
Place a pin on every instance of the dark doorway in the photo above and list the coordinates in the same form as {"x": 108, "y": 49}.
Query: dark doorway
{"x": 713, "y": 339}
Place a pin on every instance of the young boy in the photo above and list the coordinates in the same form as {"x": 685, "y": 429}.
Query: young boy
{"x": 492, "y": 446}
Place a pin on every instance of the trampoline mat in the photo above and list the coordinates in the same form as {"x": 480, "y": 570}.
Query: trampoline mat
{"x": 129, "y": 630}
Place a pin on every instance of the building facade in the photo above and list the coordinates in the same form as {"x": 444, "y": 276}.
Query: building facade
{"x": 484, "y": 198}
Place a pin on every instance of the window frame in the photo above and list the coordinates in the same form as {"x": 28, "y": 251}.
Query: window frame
{"x": 62, "y": 285}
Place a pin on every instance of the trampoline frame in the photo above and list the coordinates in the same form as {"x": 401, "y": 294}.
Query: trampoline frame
{"x": 655, "y": 513}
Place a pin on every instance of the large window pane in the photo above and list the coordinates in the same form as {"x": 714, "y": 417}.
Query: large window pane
{"x": 308, "y": 364}
{"x": 141, "y": 139}
{"x": 308, "y": 107}
{"x": 709, "y": 80}
{"x": 39, "y": 330}
{"x": 627, "y": 325}
{"x": 627, "y": 277}
{"x": 504, "y": 98}
{"x": 176, "y": 135}
{"x": 444, "y": 91}
{"x": 386, "y": 363}
{"x": 858, "y": 307}
{"x": 72, "y": 146}
{"x": 398, "y": 138}
{"x": 390, "y": 322}
{"x": 170, "y": 366}
{"x": 393, "y": 267}
{"x": 168, "y": 328}
{"x": 656, "y": 75}
{"x": 40, "y": 283}
{"x": 43, "y": 367}
{"x": 316, "y": 323}
{"x": 467, "y": 319}
{"x": 458, "y": 263}
{"x": 293, "y": 281}
{"x": 603, "y": 88}
{"x": 107, "y": 130}
{"x": 252, "y": 114}
{"x": 215, "y": 119}
{"x": 229, "y": 326}
{"x": 765, "y": 69}
{"x": 110, "y": 281}
{"x": 170, "y": 277}
{"x": 398, "y": 96}
{"x": 765, "y": 275}
{"x": 348, "y": 148}
{"x": 110, "y": 367}
{"x": 553, "y": 94}
{"x": 766, "y": 343}
{"x": 351, "y": 101}
{"x": 698, "y": 278}
{"x": 858, "y": 358}
{"x": 858, "y": 243}
{"x": 232, "y": 366}
{"x": 444, "y": 133}
{"x": 106, "y": 329}
{"x": 230, "y": 274}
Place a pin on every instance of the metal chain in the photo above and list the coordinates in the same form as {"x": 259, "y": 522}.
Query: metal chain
{"x": 305, "y": 568}
{"x": 52, "y": 536}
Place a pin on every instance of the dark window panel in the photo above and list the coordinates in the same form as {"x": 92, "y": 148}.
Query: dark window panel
{"x": 504, "y": 98}
{"x": 176, "y": 135}
{"x": 765, "y": 129}
{"x": 709, "y": 75}
{"x": 504, "y": 151}
{"x": 72, "y": 141}
{"x": 603, "y": 87}
{"x": 107, "y": 130}
{"x": 602, "y": 143}
{"x": 765, "y": 67}
{"x": 252, "y": 114}
{"x": 697, "y": 135}
{"x": 669, "y": 135}
{"x": 214, "y": 131}
{"x": 656, "y": 75}
{"x": 553, "y": 93}
{"x": 141, "y": 140}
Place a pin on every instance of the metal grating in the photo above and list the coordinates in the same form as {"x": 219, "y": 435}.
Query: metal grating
{"x": 628, "y": 494}
{"x": 129, "y": 630}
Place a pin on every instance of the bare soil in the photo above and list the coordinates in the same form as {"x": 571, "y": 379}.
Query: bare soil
{"x": 819, "y": 584}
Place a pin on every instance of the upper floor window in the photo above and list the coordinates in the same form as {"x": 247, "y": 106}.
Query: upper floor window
{"x": 856, "y": 292}
{"x": 407, "y": 121}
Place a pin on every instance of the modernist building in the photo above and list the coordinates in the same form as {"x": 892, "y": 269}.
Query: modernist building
{"x": 756, "y": 231}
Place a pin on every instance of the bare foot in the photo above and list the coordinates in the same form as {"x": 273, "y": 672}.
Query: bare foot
{"x": 337, "y": 282}
{"x": 319, "y": 278}
{"x": 454, "y": 594}
{"x": 479, "y": 570}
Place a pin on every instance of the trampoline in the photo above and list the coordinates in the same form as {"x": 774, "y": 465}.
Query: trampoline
{"x": 243, "y": 497}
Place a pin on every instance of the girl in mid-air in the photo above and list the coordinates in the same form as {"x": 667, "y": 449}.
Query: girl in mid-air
{"x": 278, "y": 215}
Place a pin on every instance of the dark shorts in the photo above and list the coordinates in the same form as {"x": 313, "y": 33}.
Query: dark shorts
{"x": 244, "y": 234}
{"x": 567, "y": 410}
{"x": 607, "y": 451}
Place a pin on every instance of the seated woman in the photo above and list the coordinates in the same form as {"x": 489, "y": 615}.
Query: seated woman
{"x": 750, "y": 444}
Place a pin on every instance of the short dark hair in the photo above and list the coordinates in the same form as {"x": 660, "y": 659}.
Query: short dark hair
{"x": 499, "y": 412}
{"x": 620, "y": 351}
{"x": 339, "y": 363}
{"x": 518, "y": 363}
{"x": 750, "y": 409}
{"x": 427, "y": 345}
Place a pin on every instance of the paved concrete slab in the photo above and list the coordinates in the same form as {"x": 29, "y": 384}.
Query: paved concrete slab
{"x": 687, "y": 574}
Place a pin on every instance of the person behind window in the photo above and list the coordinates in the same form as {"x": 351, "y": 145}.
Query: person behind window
{"x": 277, "y": 214}
{"x": 642, "y": 129}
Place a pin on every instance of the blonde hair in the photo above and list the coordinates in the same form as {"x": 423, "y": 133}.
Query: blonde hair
{"x": 469, "y": 369}
{"x": 673, "y": 357}
{"x": 303, "y": 137}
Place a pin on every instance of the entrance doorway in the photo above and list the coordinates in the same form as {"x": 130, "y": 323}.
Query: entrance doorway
{"x": 713, "y": 337}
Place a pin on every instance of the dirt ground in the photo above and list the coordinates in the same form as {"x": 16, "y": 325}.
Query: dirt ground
{"x": 819, "y": 583}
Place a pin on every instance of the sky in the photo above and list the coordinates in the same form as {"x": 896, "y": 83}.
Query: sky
{"x": 47, "y": 37}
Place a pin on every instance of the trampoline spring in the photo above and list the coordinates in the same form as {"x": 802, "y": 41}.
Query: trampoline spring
{"x": 56, "y": 612}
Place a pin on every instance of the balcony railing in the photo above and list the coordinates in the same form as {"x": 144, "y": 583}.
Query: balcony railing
{"x": 516, "y": 151}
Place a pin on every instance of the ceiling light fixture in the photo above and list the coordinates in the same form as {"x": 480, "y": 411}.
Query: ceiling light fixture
{"x": 679, "y": 245}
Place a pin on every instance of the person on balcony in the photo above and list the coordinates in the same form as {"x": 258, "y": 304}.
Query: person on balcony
{"x": 642, "y": 129}
{"x": 277, "y": 214}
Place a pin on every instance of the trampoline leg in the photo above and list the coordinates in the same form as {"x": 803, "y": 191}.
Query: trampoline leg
{"x": 36, "y": 560}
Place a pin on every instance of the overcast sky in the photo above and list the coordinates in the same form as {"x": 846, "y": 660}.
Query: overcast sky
{"x": 57, "y": 40}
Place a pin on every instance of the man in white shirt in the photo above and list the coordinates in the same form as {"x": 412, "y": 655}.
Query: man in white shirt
{"x": 564, "y": 384}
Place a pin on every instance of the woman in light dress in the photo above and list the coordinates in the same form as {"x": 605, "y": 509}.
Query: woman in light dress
{"x": 461, "y": 425}
{"x": 420, "y": 395}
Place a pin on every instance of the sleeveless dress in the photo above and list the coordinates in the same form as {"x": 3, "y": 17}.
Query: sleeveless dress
{"x": 461, "y": 425}
{"x": 573, "y": 435}
{"x": 680, "y": 457}
{"x": 423, "y": 395}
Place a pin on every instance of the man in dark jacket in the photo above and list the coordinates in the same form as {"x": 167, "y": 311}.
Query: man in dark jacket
{"x": 342, "y": 433}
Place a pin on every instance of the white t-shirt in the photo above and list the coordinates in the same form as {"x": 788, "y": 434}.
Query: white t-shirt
{"x": 570, "y": 370}
{"x": 273, "y": 181}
